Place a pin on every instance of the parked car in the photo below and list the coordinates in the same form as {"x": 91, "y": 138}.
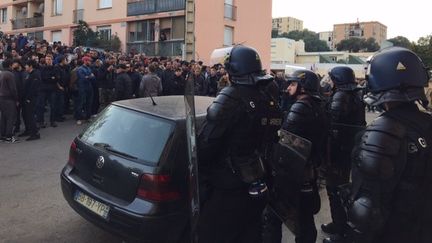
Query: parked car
{"x": 128, "y": 171}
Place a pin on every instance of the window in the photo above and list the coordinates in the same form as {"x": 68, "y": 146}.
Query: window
{"x": 104, "y": 32}
{"x": 105, "y": 3}
{"x": 142, "y": 31}
{"x": 57, "y": 8}
{"x": 118, "y": 127}
{"x": 3, "y": 15}
{"x": 56, "y": 35}
{"x": 228, "y": 36}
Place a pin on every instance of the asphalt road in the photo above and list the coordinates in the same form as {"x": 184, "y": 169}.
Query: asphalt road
{"x": 32, "y": 208}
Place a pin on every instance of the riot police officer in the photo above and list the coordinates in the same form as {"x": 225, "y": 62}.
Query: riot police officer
{"x": 391, "y": 194}
{"x": 233, "y": 148}
{"x": 347, "y": 114}
{"x": 295, "y": 197}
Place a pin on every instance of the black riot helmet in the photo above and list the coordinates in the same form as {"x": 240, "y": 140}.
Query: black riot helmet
{"x": 306, "y": 79}
{"x": 396, "y": 74}
{"x": 343, "y": 77}
{"x": 243, "y": 64}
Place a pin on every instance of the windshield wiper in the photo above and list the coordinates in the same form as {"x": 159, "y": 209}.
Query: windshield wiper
{"x": 111, "y": 149}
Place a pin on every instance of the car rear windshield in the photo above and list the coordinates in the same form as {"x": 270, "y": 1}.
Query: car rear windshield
{"x": 130, "y": 133}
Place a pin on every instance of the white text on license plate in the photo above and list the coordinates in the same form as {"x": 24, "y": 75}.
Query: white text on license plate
{"x": 90, "y": 203}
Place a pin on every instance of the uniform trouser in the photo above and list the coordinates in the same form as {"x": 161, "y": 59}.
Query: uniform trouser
{"x": 336, "y": 176}
{"x": 29, "y": 118}
{"x": 231, "y": 217}
{"x": 272, "y": 225}
{"x": 43, "y": 96}
{"x": 8, "y": 117}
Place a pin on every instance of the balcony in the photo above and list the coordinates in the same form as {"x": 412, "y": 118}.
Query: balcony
{"x": 139, "y": 7}
{"x": 27, "y": 23}
{"x": 78, "y": 14}
{"x": 230, "y": 11}
{"x": 157, "y": 48}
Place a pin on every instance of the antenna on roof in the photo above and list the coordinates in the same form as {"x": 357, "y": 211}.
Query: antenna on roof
{"x": 154, "y": 103}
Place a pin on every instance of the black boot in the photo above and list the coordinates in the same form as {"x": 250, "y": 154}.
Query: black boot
{"x": 332, "y": 228}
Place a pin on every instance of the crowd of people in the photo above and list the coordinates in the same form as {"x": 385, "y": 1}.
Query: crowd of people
{"x": 41, "y": 77}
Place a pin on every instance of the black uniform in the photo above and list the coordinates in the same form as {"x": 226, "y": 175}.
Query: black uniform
{"x": 347, "y": 114}
{"x": 306, "y": 119}
{"x": 32, "y": 82}
{"x": 235, "y": 141}
{"x": 391, "y": 193}
{"x": 241, "y": 124}
{"x": 392, "y": 178}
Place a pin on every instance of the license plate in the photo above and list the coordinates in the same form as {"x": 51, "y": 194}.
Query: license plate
{"x": 93, "y": 205}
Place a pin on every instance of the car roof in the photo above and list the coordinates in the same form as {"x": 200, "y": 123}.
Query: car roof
{"x": 169, "y": 107}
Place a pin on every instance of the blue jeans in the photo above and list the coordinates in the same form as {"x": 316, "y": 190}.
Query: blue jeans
{"x": 84, "y": 106}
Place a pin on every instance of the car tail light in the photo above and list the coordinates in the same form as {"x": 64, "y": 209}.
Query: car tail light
{"x": 157, "y": 188}
{"x": 72, "y": 153}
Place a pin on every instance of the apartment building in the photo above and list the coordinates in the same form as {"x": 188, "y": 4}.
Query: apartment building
{"x": 327, "y": 36}
{"x": 360, "y": 30}
{"x": 185, "y": 28}
{"x": 286, "y": 24}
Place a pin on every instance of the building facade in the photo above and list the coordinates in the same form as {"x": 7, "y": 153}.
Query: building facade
{"x": 286, "y": 24}
{"x": 153, "y": 27}
{"x": 327, "y": 36}
{"x": 363, "y": 30}
{"x": 289, "y": 55}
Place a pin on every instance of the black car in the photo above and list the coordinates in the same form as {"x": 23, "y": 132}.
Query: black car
{"x": 128, "y": 170}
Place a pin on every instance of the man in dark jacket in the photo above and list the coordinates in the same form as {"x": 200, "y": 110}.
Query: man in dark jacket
{"x": 8, "y": 102}
{"x": 136, "y": 79}
{"x": 123, "y": 84}
{"x": 105, "y": 77}
{"x": 178, "y": 82}
{"x": 211, "y": 83}
{"x": 19, "y": 81}
{"x": 167, "y": 79}
{"x": 50, "y": 79}
{"x": 64, "y": 72}
{"x": 32, "y": 82}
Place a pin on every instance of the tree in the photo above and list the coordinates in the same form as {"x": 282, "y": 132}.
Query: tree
{"x": 423, "y": 48}
{"x": 85, "y": 36}
{"x": 310, "y": 38}
{"x": 350, "y": 45}
{"x": 358, "y": 44}
{"x": 275, "y": 33}
{"x": 370, "y": 45}
{"x": 401, "y": 41}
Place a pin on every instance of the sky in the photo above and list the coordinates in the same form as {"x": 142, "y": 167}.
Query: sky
{"x": 411, "y": 19}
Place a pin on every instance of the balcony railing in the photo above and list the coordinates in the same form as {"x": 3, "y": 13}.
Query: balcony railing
{"x": 157, "y": 48}
{"x": 138, "y": 7}
{"x": 78, "y": 14}
{"x": 27, "y": 23}
{"x": 230, "y": 11}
